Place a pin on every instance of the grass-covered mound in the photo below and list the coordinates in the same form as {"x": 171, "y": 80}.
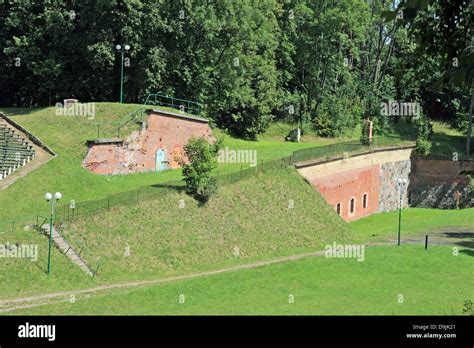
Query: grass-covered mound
{"x": 163, "y": 239}
{"x": 274, "y": 214}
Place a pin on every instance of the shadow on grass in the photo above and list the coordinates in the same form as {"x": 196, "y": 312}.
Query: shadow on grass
{"x": 179, "y": 188}
{"x": 464, "y": 239}
{"x": 403, "y": 128}
{"x": 20, "y": 111}
{"x": 467, "y": 252}
{"x": 175, "y": 186}
{"x": 446, "y": 144}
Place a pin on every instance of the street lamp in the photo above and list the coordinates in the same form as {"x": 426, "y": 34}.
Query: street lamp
{"x": 401, "y": 184}
{"x": 49, "y": 198}
{"x": 122, "y": 50}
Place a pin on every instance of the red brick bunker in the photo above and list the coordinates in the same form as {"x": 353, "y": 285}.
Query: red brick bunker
{"x": 158, "y": 146}
{"x": 363, "y": 184}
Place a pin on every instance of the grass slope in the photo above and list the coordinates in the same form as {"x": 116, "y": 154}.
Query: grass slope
{"x": 252, "y": 215}
{"x": 164, "y": 239}
{"x": 22, "y": 276}
{"x": 66, "y": 135}
{"x": 432, "y": 282}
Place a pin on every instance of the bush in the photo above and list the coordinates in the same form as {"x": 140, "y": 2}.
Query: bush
{"x": 423, "y": 137}
{"x": 197, "y": 172}
{"x": 422, "y": 147}
{"x": 323, "y": 126}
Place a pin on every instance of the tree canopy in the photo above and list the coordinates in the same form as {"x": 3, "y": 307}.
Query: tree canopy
{"x": 327, "y": 64}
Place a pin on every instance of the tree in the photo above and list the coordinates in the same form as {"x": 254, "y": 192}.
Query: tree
{"x": 201, "y": 161}
{"x": 443, "y": 29}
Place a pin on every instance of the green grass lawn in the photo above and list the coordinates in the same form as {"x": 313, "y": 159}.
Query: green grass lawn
{"x": 432, "y": 282}
{"x": 163, "y": 239}
{"x": 415, "y": 222}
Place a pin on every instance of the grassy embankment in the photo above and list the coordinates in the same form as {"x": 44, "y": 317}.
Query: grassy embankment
{"x": 254, "y": 215}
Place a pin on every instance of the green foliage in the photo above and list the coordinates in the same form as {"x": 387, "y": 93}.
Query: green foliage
{"x": 423, "y": 147}
{"x": 364, "y": 133}
{"x": 470, "y": 187}
{"x": 197, "y": 172}
{"x": 468, "y": 308}
{"x": 319, "y": 63}
{"x": 424, "y": 137}
{"x": 323, "y": 125}
{"x": 424, "y": 128}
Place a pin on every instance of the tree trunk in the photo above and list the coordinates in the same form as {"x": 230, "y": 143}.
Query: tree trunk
{"x": 469, "y": 127}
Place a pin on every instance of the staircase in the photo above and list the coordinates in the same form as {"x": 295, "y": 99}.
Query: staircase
{"x": 67, "y": 249}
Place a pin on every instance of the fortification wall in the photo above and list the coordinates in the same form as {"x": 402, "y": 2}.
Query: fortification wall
{"x": 440, "y": 183}
{"x": 137, "y": 153}
{"x": 363, "y": 184}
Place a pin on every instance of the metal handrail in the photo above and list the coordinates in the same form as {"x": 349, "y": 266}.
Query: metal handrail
{"x": 157, "y": 99}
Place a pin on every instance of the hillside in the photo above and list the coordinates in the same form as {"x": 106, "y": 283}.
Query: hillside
{"x": 174, "y": 234}
{"x": 66, "y": 135}
{"x": 163, "y": 239}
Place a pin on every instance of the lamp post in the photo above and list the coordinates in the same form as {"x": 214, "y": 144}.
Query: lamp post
{"x": 122, "y": 51}
{"x": 401, "y": 184}
{"x": 49, "y": 198}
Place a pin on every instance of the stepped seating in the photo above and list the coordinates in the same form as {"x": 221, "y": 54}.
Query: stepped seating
{"x": 15, "y": 151}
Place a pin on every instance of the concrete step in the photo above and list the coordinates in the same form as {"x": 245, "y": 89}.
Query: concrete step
{"x": 67, "y": 250}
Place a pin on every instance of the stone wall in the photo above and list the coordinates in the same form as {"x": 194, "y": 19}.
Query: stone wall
{"x": 437, "y": 183}
{"x": 431, "y": 183}
{"x": 389, "y": 195}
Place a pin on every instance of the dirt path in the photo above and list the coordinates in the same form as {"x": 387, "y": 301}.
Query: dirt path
{"x": 10, "y": 305}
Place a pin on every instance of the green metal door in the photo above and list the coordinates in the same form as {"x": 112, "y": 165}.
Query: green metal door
{"x": 160, "y": 160}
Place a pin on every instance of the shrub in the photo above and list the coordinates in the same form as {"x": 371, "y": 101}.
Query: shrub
{"x": 422, "y": 147}
{"x": 197, "y": 172}
{"x": 423, "y": 137}
{"x": 323, "y": 126}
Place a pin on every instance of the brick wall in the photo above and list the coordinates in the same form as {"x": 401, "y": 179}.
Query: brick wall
{"x": 372, "y": 174}
{"x": 343, "y": 187}
{"x": 167, "y": 131}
